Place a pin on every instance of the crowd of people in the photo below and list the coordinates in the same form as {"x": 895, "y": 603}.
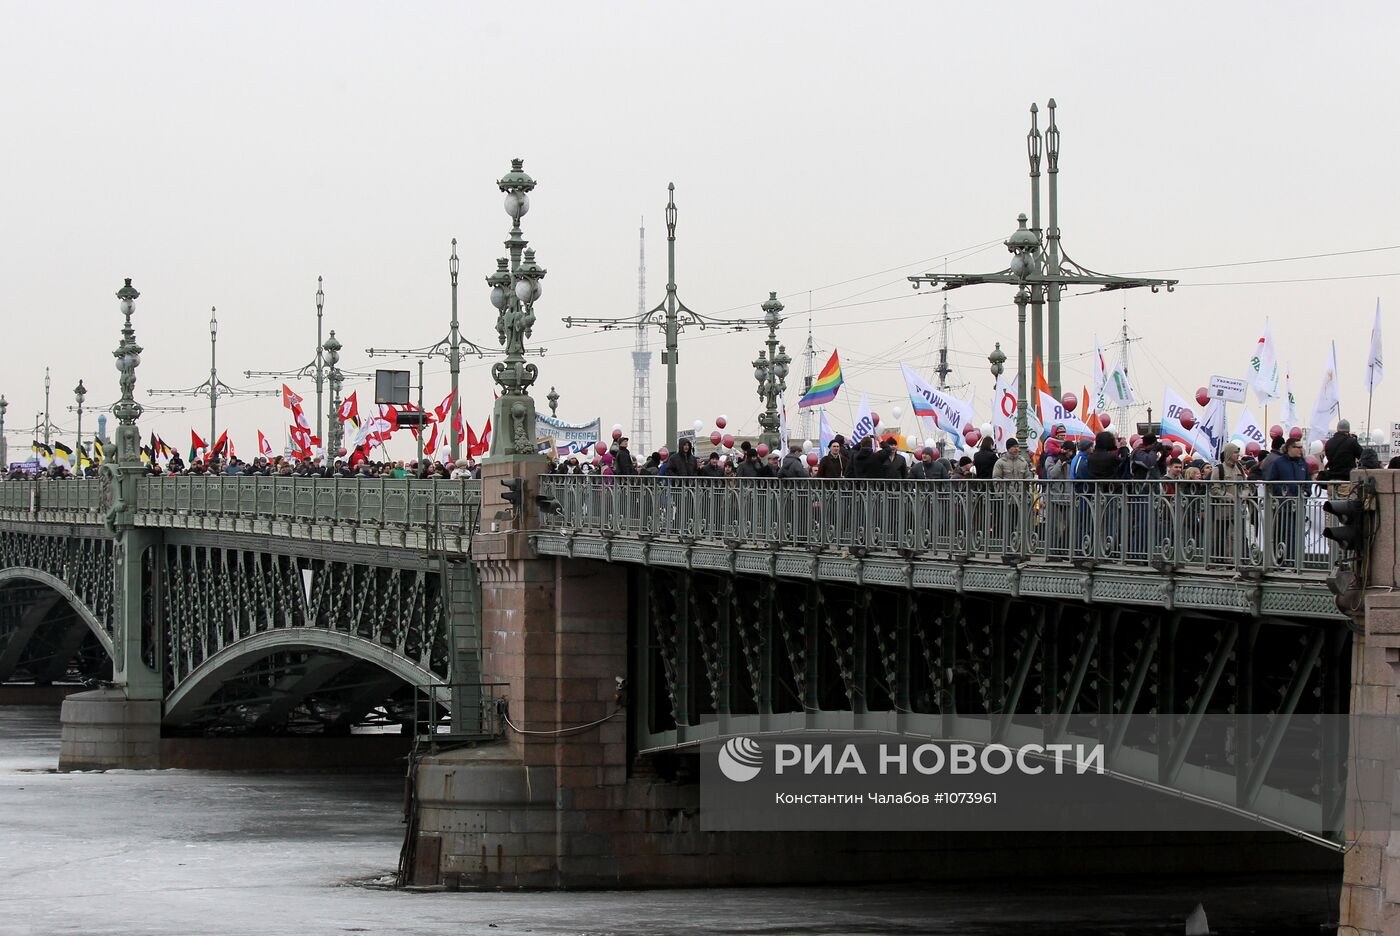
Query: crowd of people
{"x": 1104, "y": 458}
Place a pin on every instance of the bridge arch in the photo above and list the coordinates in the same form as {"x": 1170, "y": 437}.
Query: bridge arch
{"x": 212, "y": 673}
{"x": 57, "y": 585}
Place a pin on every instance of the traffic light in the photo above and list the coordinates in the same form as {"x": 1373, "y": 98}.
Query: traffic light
{"x": 515, "y": 493}
{"x": 1349, "y": 532}
{"x": 548, "y": 505}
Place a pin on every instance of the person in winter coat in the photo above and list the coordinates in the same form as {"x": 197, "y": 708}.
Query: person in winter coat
{"x": 1343, "y": 452}
{"x": 622, "y": 459}
{"x": 682, "y": 462}
{"x": 984, "y": 461}
{"x": 794, "y": 465}
{"x": 930, "y": 467}
{"x": 834, "y": 463}
{"x": 1013, "y": 464}
{"x": 1286, "y": 477}
{"x": 750, "y": 467}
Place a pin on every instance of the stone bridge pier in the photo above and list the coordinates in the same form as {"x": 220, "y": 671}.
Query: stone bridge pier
{"x": 1371, "y": 893}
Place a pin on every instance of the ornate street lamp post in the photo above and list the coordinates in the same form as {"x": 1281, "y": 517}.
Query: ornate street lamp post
{"x": 515, "y": 288}
{"x": 553, "y": 397}
{"x": 1024, "y": 246}
{"x": 998, "y": 361}
{"x": 79, "y": 396}
{"x": 770, "y": 369}
{"x": 47, "y": 422}
{"x": 331, "y": 350}
{"x": 127, "y": 410}
{"x": 4, "y": 447}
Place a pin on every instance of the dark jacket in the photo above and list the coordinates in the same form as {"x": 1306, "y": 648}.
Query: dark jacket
{"x": 794, "y": 466}
{"x": 1343, "y": 453}
{"x": 750, "y": 468}
{"x": 833, "y": 466}
{"x": 623, "y": 463}
{"x": 984, "y": 462}
{"x": 682, "y": 464}
{"x": 1287, "y": 469}
{"x": 936, "y": 470}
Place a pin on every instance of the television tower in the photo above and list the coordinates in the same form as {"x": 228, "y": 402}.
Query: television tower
{"x": 641, "y": 358}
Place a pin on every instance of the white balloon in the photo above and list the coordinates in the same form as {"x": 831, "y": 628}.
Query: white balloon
{"x": 1378, "y": 437}
{"x": 807, "y": 445}
{"x": 617, "y": 425}
{"x": 896, "y": 411}
{"x": 699, "y": 424}
{"x": 1315, "y": 448}
{"x": 930, "y": 442}
{"x": 987, "y": 429}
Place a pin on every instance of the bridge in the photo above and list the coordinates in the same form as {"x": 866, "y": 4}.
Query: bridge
{"x": 624, "y": 622}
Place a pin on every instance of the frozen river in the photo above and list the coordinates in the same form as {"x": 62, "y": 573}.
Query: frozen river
{"x": 190, "y": 852}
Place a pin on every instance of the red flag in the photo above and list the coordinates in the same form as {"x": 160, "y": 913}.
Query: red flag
{"x": 220, "y": 445}
{"x": 349, "y": 409}
{"x": 264, "y": 449}
{"x": 432, "y": 444}
{"x": 196, "y": 442}
{"x": 444, "y": 409}
{"x": 479, "y": 447}
{"x": 289, "y": 399}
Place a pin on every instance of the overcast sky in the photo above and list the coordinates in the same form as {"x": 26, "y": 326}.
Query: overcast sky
{"x": 226, "y": 155}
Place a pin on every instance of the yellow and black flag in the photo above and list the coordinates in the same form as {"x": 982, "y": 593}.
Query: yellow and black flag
{"x": 98, "y": 455}
{"x": 42, "y": 455}
{"x": 62, "y": 453}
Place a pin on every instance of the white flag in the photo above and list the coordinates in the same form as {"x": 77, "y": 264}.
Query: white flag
{"x": 1328, "y": 408}
{"x": 948, "y": 413}
{"x": 1247, "y": 428}
{"x": 865, "y": 423}
{"x": 1263, "y": 367}
{"x": 783, "y": 426}
{"x": 1004, "y": 411}
{"x": 1053, "y": 413}
{"x": 824, "y": 433}
{"x": 1290, "y": 403}
{"x": 1174, "y": 430}
{"x": 1111, "y": 386}
{"x": 1375, "y": 363}
{"x": 1212, "y": 425}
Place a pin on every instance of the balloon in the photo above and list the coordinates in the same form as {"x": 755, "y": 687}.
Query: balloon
{"x": 1069, "y": 401}
{"x": 1104, "y": 420}
{"x": 929, "y": 442}
{"x": 1134, "y": 440}
{"x": 617, "y": 434}
{"x": 1202, "y": 396}
{"x": 1316, "y": 447}
{"x": 1178, "y": 450}
{"x": 812, "y": 459}
{"x": 1295, "y": 434}
{"x": 1378, "y": 437}
{"x": 665, "y": 453}
{"x": 715, "y": 437}
{"x": 602, "y": 447}
{"x": 808, "y": 445}
{"x": 875, "y": 418}
{"x": 617, "y": 427}
{"x": 986, "y": 429}
{"x": 1252, "y": 449}
{"x": 1188, "y": 418}
{"x": 972, "y": 436}
{"x": 763, "y": 450}
{"x": 721, "y": 422}
{"x": 1314, "y": 463}
{"x": 728, "y": 441}
{"x": 1276, "y": 431}
{"x": 896, "y": 411}
{"x": 699, "y": 424}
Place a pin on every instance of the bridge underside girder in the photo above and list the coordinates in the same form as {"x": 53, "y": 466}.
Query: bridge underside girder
{"x": 727, "y": 655}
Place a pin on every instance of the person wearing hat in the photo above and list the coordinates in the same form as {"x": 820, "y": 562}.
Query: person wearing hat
{"x": 770, "y": 470}
{"x": 713, "y": 467}
{"x": 622, "y": 459}
{"x": 931, "y": 466}
{"x": 1013, "y": 464}
{"x": 1149, "y": 460}
{"x": 1343, "y": 453}
{"x": 835, "y": 463}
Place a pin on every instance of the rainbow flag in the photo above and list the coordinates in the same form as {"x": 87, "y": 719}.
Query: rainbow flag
{"x": 824, "y": 388}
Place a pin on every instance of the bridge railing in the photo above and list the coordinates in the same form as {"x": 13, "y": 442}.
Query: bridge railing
{"x": 448, "y": 507}
{"x": 57, "y": 499}
{"x": 1181, "y": 524}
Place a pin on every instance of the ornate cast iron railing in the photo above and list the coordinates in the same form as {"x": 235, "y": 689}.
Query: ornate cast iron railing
{"x": 446, "y": 507}
{"x": 1237, "y": 526}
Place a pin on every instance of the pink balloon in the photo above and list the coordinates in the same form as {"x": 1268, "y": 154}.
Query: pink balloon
{"x": 715, "y": 437}
{"x": 1069, "y": 401}
{"x": 763, "y": 450}
{"x": 721, "y": 422}
{"x": 1104, "y": 420}
{"x": 1134, "y": 440}
{"x": 1203, "y": 396}
{"x": 728, "y": 440}
{"x": 1252, "y": 449}
{"x": 665, "y": 453}
{"x": 1188, "y": 418}
{"x": 875, "y": 418}
{"x": 1178, "y": 450}
{"x": 812, "y": 459}
{"x": 972, "y": 436}
{"x": 617, "y": 434}
{"x": 1295, "y": 434}
{"x": 1314, "y": 463}
{"x": 1276, "y": 431}
{"x": 607, "y": 459}
{"x": 601, "y": 448}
